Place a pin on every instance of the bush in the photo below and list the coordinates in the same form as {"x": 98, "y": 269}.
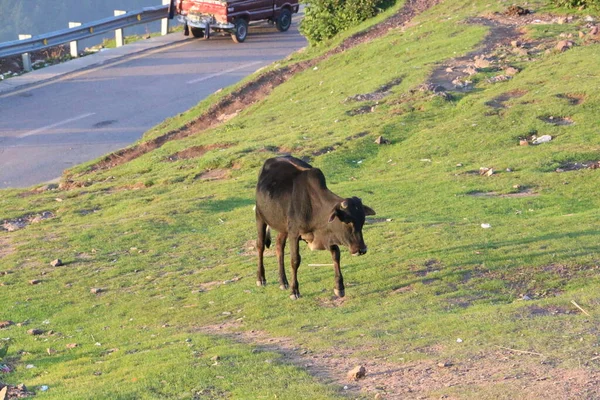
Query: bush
{"x": 325, "y": 18}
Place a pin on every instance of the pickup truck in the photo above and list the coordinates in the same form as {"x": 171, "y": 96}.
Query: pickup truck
{"x": 233, "y": 16}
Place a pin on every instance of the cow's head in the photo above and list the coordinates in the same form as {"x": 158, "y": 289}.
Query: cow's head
{"x": 351, "y": 213}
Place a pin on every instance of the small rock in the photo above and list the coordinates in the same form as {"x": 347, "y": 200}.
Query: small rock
{"x": 71, "y": 345}
{"x": 449, "y": 69}
{"x": 215, "y": 358}
{"x": 520, "y": 51}
{"x": 35, "y": 332}
{"x": 542, "y": 139}
{"x": 511, "y": 71}
{"x": 5, "y": 324}
{"x": 482, "y": 63}
{"x": 486, "y": 171}
{"x": 525, "y": 297}
{"x": 57, "y": 263}
{"x": 581, "y": 35}
{"x": 357, "y": 373}
{"x": 459, "y": 340}
{"x": 470, "y": 71}
{"x": 564, "y": 45}
{"x": 523, "y": 142}
{"x": 484, "y": 226}
{"x": 96, "y": 290}
{"x": 588, "y": 18}
{"x": 44, "y": 388}
{"x": 382, "y": 140}
{"x": 515, "y": 43}
{"x": 35, "y": 282}
{"x": 561, "y": 20}
{"x": 444, "y": 364}
{"x": 346, "y": 387}
{"x": 594, "y": 31}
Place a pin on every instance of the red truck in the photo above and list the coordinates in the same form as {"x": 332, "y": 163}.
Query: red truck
{"x": 233, "y": 16}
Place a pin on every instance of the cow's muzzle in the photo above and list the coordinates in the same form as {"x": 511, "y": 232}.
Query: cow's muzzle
{"x": 360, "y": 252}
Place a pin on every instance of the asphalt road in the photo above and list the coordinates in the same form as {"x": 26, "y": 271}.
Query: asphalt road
{"x": 52, "y": 125}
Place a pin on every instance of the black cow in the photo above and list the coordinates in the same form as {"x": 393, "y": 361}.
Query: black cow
{"x": 293, "y": 199}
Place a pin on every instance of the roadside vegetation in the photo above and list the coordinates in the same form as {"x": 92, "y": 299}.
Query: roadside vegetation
{"x": 482, "y": 273}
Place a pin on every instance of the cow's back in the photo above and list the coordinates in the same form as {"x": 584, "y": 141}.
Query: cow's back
{"x": 275, "y": 188}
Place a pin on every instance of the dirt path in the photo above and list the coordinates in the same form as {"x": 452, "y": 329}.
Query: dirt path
{"x": 254, "y": 91}
{"x": 499, "y": 373}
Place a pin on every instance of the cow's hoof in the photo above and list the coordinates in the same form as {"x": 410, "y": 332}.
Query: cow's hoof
{"x": 284, "y": 287}
{"x": 261, "y": 283}
{"x": 339, "y": 293}
{"x": 294, "y": 296}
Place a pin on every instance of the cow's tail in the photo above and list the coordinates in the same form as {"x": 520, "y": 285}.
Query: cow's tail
{"x": 268, "y": 237}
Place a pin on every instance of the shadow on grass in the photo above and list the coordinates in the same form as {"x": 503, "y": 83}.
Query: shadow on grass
{"x": 230, "y": 204}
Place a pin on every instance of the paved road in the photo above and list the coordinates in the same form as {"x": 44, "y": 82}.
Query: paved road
{"x": 48, "y": 126}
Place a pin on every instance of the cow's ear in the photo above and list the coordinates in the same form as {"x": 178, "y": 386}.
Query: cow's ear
{"x": 333, "y": 215}
{"x": 368, "y": 210}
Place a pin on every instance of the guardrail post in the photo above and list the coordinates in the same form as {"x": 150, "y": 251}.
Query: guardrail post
{"x": 119, "y": 32}
{"x": 26, "y": 56}
{"x": 164, "y": 23}
{"x": 73, "y": 44}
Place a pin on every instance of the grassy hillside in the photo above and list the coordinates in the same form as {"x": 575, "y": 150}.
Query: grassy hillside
{"x": 472, "y": 281}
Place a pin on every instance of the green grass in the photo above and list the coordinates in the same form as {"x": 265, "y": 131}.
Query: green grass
{"x": 432, "y": 275}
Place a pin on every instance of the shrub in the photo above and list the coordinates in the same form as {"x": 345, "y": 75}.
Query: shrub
{"x": 325, "y": 18}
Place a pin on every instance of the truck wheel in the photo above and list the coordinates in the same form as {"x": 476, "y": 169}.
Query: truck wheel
{"x": 197, "y": 32}
{"x": 241, "y": 30}
{"x": 284, "y": 20}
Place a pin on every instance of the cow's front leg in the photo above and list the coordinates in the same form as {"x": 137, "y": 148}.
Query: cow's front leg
{"x": 283, "y": 282}
{"x": 260, "y": 246}
{"x": 295, "y": 256}
{"x": 339, "y": 279}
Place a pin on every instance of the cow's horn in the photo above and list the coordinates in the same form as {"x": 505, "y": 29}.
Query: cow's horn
{"x": 344, "y": 204}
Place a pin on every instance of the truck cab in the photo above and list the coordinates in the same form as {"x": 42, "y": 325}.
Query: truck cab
{"x": 233, "y": 16}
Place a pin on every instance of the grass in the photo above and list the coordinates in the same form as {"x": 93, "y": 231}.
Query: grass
{"x": 161, "y": 244}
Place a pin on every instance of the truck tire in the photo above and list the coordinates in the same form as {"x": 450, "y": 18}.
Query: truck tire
{"x": 198, "y": 32}
{"x": 241, "y": 30}
{"x": 284, "y": 20}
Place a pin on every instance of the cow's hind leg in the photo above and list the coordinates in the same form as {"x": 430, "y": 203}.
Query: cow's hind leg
{"x": 260, "y": 246}
{"x": 339, "y": 279}
{"x": 283, "y": 282}
{"x": 295, "y": 256}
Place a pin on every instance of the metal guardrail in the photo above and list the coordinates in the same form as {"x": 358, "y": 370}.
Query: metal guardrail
{"x": 147, "y": 14}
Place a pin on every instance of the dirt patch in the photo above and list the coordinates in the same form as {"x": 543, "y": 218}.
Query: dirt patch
{"x": 452, "y": 73}
{"x": 334, "y": 146}
{"x": 258, "y": 89}
{"x": 539, "y": 311}
{"x": 195, "y": 152}
{"x": 576, "y": 166}
{"x": 378, "y": 94}
{"x": 574, "y": 99}
{"x": 519, "y": 281}
{"x": 361, "y": 110}
{"x": 523, "y": 192}
{"x": 15, "y": 224}
{"x": 498, "y": 102}
{"x": 500, "y": 367}
{"x": 16, "y": 392}
{"x": 558, "y": 121}
{"x": 213, "y": 175}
